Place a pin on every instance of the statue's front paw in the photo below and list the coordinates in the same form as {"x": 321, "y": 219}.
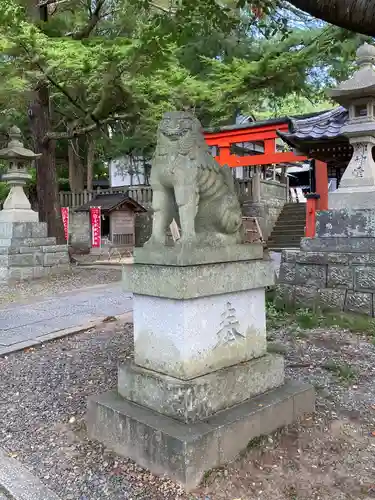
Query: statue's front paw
{"x": 154, "y": 243}
{"x": 189, "y": 242}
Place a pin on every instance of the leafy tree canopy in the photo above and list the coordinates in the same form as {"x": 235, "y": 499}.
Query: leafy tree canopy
{"x": 134, "y": 59}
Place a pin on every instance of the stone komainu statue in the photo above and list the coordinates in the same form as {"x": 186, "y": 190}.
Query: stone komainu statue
{"x": 191, "y": 187}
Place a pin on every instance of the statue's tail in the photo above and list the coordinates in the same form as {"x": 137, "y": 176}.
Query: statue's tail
{"x": 230, "y": 216}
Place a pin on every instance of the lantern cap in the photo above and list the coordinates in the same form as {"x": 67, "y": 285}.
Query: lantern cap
{"x": 15, "y": 149}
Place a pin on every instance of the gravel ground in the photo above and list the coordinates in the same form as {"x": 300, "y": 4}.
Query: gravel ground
{"x": 78, "y": 277}
{"x": 328, "y": 456}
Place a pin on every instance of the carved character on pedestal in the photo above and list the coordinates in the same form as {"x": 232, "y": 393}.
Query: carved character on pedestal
{"x": 191, "y": 187}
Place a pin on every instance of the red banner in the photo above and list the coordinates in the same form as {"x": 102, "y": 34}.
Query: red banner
{"x": 65, "y": 219}
{"x": 95, "y": 216}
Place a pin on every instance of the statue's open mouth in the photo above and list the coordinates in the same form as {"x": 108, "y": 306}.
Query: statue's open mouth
{"x": 174, "y": 135}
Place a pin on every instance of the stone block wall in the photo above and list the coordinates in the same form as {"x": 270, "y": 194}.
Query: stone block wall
{"x": 26, "y": 252}
{"x": 327, "y": 280}
{"x": 273, "y": 198}
{"x": 336, "y": 269}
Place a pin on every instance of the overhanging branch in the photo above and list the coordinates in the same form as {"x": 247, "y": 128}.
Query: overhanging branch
{"x": 77, "y": 131}
{"x": 92, "y": 22}
{"x": 353, "y": 15}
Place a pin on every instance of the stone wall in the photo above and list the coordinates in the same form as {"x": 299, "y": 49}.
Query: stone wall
{"x": 273, "y": 198}
{"x": 79, "y": 230}
{"x": 336, "y": 269}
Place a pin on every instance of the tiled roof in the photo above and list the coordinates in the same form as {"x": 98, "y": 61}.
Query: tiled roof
{"x": 324, "y": 126}
{"x": 108, "y": 202}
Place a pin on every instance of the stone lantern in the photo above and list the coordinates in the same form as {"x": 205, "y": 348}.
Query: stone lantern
{"x": 357, "y": 187}
{"x": 17, "y": 207}
{"x": 26, "y": 250}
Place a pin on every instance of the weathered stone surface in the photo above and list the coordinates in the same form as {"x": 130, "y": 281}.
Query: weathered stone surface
{"x": 52, "y": 259}
{"x": 346, "y": 245}
{"x": 366, "y": 258}
{"x": 38, "y": 242}
{"x": 3, "y": 273}
{"x": 79, "y": 230}
{"x": 320, "y": 258}
{"x": 201, "y": 397}
{"x": 26, "y": 273}
{"x": 184, "y": 256}
{"x": 21, "y": 230}
{"x": 305, "y": 296}
{"x": 331, "y": 299}
{"x": 54, "y": 249}
{"x": 197, "y": 281}
{"x": 202, "y": 197}
{"x": 189, "y": 338}
{"x": 364, "y": 278}
{"x": 39, "y": 230}
{"x": 311, "y": 274}
{"x": 358, "y": 200}
{"x": 346, "y": 223}
{"x": 142, "y": 228}
{"x": 289, "y": 256}
{"x": 340, "y": 277}
{"x": 359, "y": 302}
{"x": 185, "y": 452}
{"x": 287, "y": 273}
{"x": 24, "y": 260}
{"x": 284, "y": 296}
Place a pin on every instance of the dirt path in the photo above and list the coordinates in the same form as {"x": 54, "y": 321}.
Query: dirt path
{"x": 328, "y": 456}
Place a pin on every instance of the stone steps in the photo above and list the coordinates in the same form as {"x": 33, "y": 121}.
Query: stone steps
{"x": 289, "y": 228}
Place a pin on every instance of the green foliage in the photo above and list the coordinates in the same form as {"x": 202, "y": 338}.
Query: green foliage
{"x": 142, "y": 58}
{"x": 342, "y": 370}
{"x": 4, "y": 190}
{"x": 307, "y": 319}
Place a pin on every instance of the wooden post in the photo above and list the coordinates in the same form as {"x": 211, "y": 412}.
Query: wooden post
{"x": 321, "y": 184}
{"x": 311, "y": 207}
{"x": 256, "y": 185}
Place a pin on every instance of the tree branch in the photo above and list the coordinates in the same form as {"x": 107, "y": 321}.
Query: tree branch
{"x": 353, "y": 15}
{"x": 93, "y": 21}
{"x": 77, "y": 131}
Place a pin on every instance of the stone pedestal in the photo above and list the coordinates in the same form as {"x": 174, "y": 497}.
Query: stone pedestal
{"x": 202, "y": 384}
{"x": 26, "y": 252}
{"x": 336, "y": 269}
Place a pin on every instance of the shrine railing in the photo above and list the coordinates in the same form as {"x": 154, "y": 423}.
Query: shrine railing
{"x": 143, "y": 194}
{"x": 71, "y": 199}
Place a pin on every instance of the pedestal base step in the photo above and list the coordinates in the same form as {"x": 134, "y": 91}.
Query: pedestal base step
{"x": 196, "y": 399}
{"x": 184, "y": 452}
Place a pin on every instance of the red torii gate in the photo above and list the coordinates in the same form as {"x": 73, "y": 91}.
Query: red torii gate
{"x": 266, "y": 132}
{"x": 224, "y": 138}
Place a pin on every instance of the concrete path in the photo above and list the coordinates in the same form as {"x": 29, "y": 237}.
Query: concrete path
{"x": 27, "y": 322}
{"x": 16, "y": 482}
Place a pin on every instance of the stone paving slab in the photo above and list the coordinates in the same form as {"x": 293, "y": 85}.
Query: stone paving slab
{"x": 30, "y": 321}
{"x": 17, "y": 483}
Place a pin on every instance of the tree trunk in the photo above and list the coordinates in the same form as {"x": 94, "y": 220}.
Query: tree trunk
{"x": 76, "y": 167}
{"x": 353, "y": 15}
{"x": 46, "y": 175}
{"x": 90, "y": 161}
